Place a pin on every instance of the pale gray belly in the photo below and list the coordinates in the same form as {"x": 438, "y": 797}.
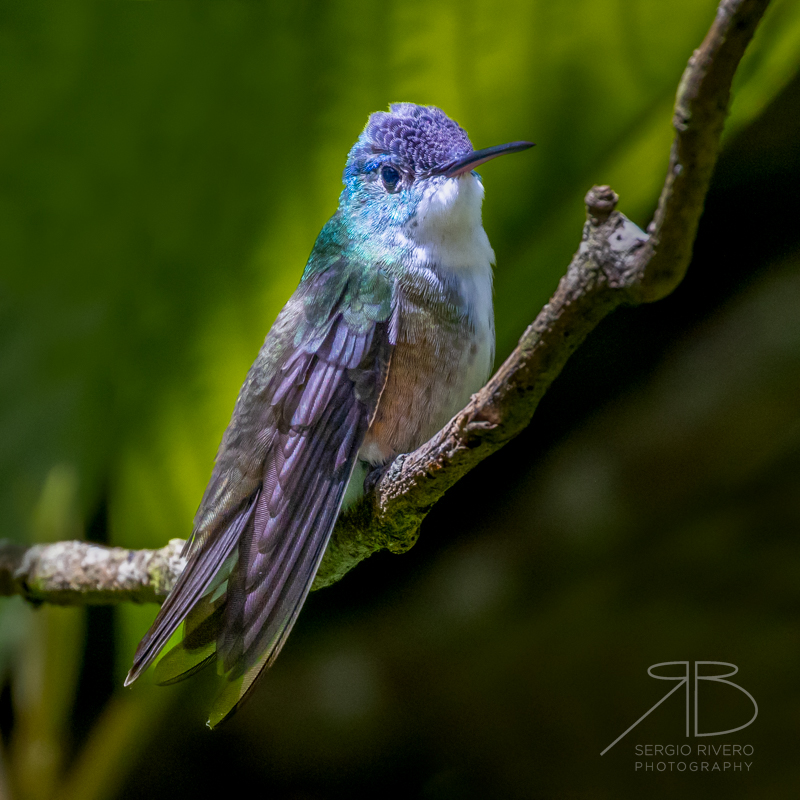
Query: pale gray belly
{"x": 429, "y": 381}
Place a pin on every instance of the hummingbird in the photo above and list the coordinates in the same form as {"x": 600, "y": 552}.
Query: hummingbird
{"x": 388, "y": 334}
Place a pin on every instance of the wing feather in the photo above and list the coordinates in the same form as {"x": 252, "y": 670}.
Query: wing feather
{"x": 278, "y": 483}
{"x": 188, "y": 589}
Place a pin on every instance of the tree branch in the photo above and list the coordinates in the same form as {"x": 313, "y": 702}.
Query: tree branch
{"x": 616, "y": 263}
{"x": 81, "y": 573}
{"x": 701, "y": 106}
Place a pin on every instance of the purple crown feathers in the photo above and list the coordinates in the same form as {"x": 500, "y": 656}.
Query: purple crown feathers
{"x": 420, "y": 137}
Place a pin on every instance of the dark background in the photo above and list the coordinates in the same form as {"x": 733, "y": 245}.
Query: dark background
{"x": 164, "y": 171}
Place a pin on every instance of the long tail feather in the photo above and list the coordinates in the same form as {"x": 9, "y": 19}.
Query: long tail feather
{"x": 189, "y": 588}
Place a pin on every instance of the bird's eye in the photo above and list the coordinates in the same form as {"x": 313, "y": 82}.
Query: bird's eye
{"x": 390, "y": 177}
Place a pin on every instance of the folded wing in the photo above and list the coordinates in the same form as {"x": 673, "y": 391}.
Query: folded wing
{"x": 278, "y": 483}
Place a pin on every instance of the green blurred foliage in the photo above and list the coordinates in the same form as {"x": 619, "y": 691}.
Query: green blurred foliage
{"x": 165, "y": 168}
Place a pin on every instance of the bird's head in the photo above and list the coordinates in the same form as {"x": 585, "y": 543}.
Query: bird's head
{"x": 412, "y": 168}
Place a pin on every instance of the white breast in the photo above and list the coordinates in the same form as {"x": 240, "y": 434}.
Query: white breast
{"x": 449, "y": 238}
{"x": 448, "y": 230}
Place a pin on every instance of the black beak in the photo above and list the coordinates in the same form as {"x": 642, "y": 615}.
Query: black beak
{"x": 469, "y": 162}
